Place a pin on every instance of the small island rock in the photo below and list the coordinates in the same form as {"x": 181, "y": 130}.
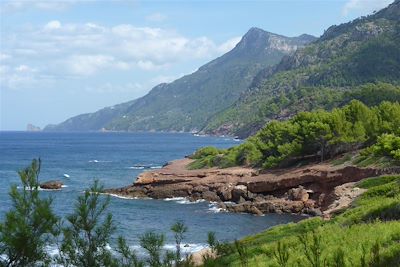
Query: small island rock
{"x": 51, "y": 185}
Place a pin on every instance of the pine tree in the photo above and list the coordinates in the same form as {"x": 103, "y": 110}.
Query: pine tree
{"x": 30, "y": 225}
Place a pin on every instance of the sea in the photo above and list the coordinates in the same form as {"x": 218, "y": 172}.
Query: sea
{"x": 115, "y": 160}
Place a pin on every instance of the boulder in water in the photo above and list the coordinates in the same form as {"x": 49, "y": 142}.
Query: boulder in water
{"x": 51, "y": 185}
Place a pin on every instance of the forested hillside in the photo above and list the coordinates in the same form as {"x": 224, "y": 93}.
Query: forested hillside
{"x": 366, "y": 50}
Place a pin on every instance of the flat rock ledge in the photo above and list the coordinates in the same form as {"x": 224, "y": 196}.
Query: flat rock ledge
{"x": 317, "y": 190}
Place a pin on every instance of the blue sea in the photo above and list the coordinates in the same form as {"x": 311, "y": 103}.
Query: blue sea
{"x": 115, "y": 159}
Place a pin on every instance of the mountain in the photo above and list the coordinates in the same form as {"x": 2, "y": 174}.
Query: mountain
{"x": 320, "y": 75}
{"x": 91, "y": 121}
{"x": 187, "y": 103}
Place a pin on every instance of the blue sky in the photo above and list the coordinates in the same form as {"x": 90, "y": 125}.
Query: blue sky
{"x": 63, "y": 58}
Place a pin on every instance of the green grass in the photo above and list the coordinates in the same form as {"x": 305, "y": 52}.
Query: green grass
{"x": 369, "y": 231}
{"x": 360, "y": 160}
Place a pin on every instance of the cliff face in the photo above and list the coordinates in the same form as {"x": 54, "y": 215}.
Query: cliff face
{"x": 309, "y": 189}
{"x": 187, "y": 103}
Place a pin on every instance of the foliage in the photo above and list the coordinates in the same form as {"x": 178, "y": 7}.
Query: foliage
{"x": 179, "y": 229}
{"x": 30, "y": 225}
{"x": 386, "y": 145}
{"x": 86, "y": 237}
{"x": 205, "y": 152}
{"x": 153, "y": 243}
{"x": 310, "y": 135}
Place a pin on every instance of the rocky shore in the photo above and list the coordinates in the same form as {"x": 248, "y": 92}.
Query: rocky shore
{"x": 319, "y": 189}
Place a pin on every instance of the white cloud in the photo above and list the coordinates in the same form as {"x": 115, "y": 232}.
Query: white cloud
{"x": 4, "y": 57}
{"x": 115, "y": 88}
{"x": 149, "y": 65}
{"x": 229, "y": 45}
{"x": 58, "y": 51}
{"x": 9, "y": 6}
{"x": 156, "y": 17}
{"x": 24, "y": 68}
{"x": 166, "y": 78}
{"x": 52, "y": 25}
{"x": 21, "y": 77}
{"x": 366, "y": 6}
{"x": 90, "y": 64}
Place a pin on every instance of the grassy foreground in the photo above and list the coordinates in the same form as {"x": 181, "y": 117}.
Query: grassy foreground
{"x": 367, "y": 234}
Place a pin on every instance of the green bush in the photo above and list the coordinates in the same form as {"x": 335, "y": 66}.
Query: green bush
{"x": 205, "y": 152}
{"x": 318, "y": 134}
{"x": 248, "y": 154}
{"x": 387, "y": 145}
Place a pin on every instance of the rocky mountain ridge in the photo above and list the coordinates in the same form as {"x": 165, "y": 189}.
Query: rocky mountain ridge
{"x": 366, "y": 50}
{"x": 187, "y": 103}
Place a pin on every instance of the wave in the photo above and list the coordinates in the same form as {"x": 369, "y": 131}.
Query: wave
{"x": 183, "y": 200}
{"x": 119, "y": 196}
{"x": 156, "y": 167}
{"x": 42, "y": 189}
{"x": 214, "y": 208}
{"x": 145, "y": 166}
{"x": 99, "y": 161}
{"x": 187, "y": 247}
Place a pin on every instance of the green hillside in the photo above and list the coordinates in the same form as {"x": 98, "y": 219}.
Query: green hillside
{"x": 91, "y": 121}
{"x": 187, "y": 103}
{"x": 366, "y": 50}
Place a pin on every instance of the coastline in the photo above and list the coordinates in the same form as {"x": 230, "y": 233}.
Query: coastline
{"x": 315, "y": 189}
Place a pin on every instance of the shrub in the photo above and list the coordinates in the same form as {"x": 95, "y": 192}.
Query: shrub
{"x": 387, "y": 145}
{"x": 205, "y": 152}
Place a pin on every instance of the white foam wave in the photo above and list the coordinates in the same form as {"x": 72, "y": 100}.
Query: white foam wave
{"x": 174, "y": 198}
{"x": 42, "y": 189}
{"x": 99, "y": 161}
{"x": 119, "y": 196}
{"x": 145, "y": 166}
{"x": 156, "y": 167}
{"x": 136, "y": 167}
{"x": 187, "y": 247}
{"x": 183, "y": 200}
{"x": 214, "y": 208}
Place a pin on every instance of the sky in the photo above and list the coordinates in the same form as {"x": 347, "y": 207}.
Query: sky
{"x": 59, "y": 59}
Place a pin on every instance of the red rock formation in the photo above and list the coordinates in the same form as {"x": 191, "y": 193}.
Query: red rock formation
{"x": 307, "y": 189}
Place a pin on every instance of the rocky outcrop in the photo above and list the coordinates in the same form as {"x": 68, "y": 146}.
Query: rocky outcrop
{"x": 32, "y": 128}
{"x": 309, "y": 189}
{"x": 53, "y": 185}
